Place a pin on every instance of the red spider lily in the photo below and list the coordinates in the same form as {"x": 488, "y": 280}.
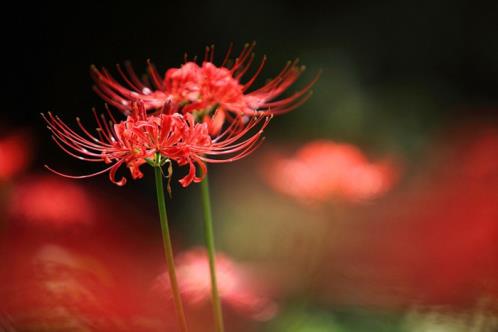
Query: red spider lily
{"x": 155, "y": 139}
{"x": 235, "y": 286}
{"x": 213, "y": 93}
{"x": 14, "y": 155}
{"x": 322, "y": 170}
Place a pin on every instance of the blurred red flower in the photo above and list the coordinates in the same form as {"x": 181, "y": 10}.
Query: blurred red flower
{"x": 46, "y": 200}
{"x": 322, "y": 170}
{"x": 15, "y": 150}
{"x": 436, "y": 241}
{"x": 212, "y": 93}
{"x": 235, "y": 286}
{"x": 57, "y": 289}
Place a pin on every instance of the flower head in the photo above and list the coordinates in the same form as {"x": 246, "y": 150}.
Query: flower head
{"x": 214, "y": 94}
{"x": 154, "y": 139}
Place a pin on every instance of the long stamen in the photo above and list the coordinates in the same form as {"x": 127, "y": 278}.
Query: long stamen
{"x": 244, "y": 70}
{"x": 253, "y": 78}
{"x": 126, "y": 79}
{"x": 62, "y": 130}
{"x": 154, "y": 75}
{"x": 295, "y": 105}
{"x": 227, "y": 55}
{"x": 211, "y": 58}
{"x": 78, "y": 176}
{"x": 133, "y": 76}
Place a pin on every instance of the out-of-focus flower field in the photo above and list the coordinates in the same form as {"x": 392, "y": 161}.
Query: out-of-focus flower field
{"x": 372, "y": 207}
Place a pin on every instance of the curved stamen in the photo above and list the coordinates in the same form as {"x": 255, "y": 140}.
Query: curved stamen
{"x": 78, "y": 176}
{"x": 253, "y": 78}
{"x": 154, "y": 75}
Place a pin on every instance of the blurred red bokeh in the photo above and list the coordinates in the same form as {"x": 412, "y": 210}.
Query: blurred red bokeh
{"x": 324, "y": 170}
{"x": 436, "y": 242}
{"x": 15, "y": 154}
{"x": 54, "y": 288}
{"x": 236, "y": 286}
{"x": 51, "y": 201}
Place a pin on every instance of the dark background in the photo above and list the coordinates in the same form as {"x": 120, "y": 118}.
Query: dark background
{"x": 395, "y": 74}
{"x": 447, "y": 48}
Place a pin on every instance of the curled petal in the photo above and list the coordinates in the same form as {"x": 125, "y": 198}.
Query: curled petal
{"x": 112, "y": 175}
{"x": 187, "y": 180}
{"x": 203, "y": 170}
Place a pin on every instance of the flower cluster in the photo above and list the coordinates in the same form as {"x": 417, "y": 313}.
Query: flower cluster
{"x": 192, "y": 115}
{"x": 155, "y": 139}
{"x": 214, "y": 94}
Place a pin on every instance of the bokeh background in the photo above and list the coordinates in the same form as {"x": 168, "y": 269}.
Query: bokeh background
{"x": 404, "y": 118}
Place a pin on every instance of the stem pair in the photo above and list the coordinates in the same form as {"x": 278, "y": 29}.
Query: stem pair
{"x": 168, "y": 251}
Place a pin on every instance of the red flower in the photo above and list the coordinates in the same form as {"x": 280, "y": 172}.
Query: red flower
{"x": 212, "y": 93}
{"x": 236, "y": 288}
{"x": 322, "y": 170}
{"x": 155, "y": 139}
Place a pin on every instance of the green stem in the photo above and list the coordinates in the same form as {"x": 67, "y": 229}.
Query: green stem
{"x": 209, "y": 237}
{"x": 168, "y": 249}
